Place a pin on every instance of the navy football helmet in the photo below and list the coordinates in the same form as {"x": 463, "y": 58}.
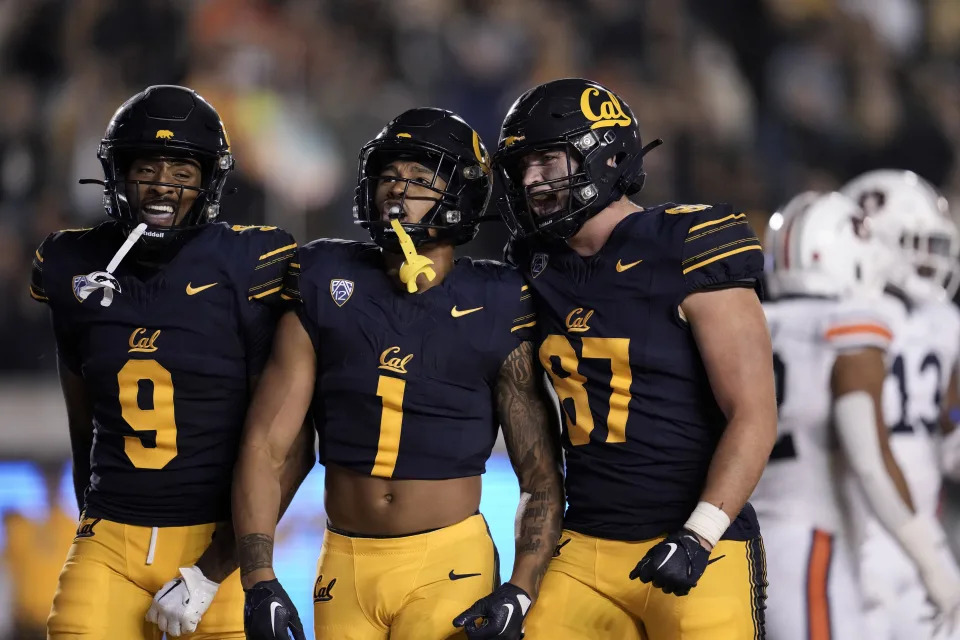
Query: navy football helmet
{"x": 442, "y": 141}
{"x": 168, "y": 121}
{"x": 596, "y": 129}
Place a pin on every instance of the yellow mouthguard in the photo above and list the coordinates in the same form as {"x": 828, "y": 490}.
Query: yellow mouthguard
{"x": 414, "y": 264}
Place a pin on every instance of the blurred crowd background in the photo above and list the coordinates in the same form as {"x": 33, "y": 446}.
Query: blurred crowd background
{"x": 755, "y": 100}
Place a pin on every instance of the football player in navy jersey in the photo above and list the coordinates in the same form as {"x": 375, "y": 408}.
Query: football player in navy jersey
{"x": 163, "y": 319}
{"x": 407, "y": 362}
{"x": 655, "y": 340}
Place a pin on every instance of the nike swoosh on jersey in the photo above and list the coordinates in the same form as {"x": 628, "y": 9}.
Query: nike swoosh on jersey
{"x": 192, "y": 291}
{"x": 673, "y": 550}
{"x": 273, "y": 617}
{"x": 623, "y": 267}
{"x": 456, "y": 313}
{"x": 460, "y": 576}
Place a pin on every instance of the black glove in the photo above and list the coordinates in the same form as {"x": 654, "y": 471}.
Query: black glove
{"x": 675, "y": 564}
{"x": 268, "y": 613}
{"x": 498, "y": 615}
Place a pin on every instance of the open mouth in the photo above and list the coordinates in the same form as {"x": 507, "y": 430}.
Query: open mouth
{"x": 158, "y": 213}
{"x": 392, "y": 209}
{"x": 542, "y": 204}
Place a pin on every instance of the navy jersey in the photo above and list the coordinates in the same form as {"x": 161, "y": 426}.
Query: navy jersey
{"x": 166, "y": 365}
{"x": 641, "y": 422}
{"x": 405, "y": 382}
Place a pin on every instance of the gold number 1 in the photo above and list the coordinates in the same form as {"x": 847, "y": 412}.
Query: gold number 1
{"x": 390, "y": 391}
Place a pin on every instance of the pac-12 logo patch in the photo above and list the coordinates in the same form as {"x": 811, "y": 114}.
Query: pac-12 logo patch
{"x": 341, "y": 290}
{"x": 538, "y": 264}
{"x": 79, "y": 284}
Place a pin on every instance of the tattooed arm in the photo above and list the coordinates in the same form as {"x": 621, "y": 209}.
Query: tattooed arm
{"x": 532, "y": 435}
{"x": 274, "y": 422}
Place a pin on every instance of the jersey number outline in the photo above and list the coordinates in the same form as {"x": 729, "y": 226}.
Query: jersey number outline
{"x": 160, "y": 421}
{"x": 898, "y": 371}
{"x": 571, "y": 386}
{"x": 390, "y": 390}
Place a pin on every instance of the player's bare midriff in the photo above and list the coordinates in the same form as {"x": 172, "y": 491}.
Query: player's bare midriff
{"x": 368, "y": 505}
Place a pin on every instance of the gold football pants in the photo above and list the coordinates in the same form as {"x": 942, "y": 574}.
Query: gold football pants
{"x": 403, "y": 588}
{"x": 587, "y": 594}
{"x": 112, "y": 573}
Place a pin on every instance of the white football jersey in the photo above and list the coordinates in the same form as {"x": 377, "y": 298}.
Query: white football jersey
{"x": 923, "y": 356}
{"x": 801, "y": 482}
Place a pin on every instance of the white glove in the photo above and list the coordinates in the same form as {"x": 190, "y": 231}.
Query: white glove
{"x": 925, "y": 541}
{"x": 944, "y": 592}
{"x": 178, "y": 605}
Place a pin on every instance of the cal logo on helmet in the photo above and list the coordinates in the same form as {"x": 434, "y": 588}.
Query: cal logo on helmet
{"x": 611, "y": 113}
{"x": 164, "y": 134}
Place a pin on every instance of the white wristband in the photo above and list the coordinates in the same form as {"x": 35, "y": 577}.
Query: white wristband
{"x": 708, "y": 522}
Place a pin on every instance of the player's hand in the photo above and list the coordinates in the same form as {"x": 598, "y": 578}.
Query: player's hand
{"x": 499, "y": 615}
{"x": 268, "y": 613}
{"x": 673, "y": 565}
{"x": 944, "y": 592}
{"x": 178, "y": 605}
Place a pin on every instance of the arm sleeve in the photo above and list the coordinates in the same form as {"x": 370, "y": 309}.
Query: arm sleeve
{"x": 720, "y": 250}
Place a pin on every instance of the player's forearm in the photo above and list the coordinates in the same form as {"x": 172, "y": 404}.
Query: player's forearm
{"x": 738, "y": 462}
{"x": 80, "y": 424}
{"x": 531, "y": 433}
{"x": 863, "y": 439}
{"x": 220, "y": 558}
{"x": 537, "y": 530}
{"x": 257, "y": 496}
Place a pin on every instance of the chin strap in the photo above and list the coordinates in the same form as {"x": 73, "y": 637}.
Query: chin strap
{"x": 415, "y": 264}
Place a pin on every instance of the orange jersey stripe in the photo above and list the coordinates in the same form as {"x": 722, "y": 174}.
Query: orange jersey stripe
{"x": 818, "y": 570}
{"x": 848, "y": 329}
